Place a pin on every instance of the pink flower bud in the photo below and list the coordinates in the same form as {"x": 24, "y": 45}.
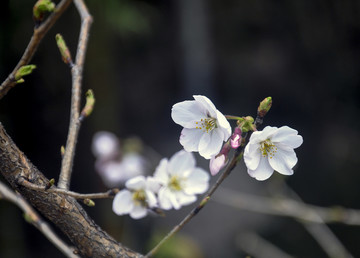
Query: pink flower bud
{"x": 217, "y": 163}
{"x": 235, "y": 139}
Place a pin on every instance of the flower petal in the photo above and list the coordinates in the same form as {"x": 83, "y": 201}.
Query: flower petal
{"x": 287, "y": 136}
{"x": 216, "y": 164}
{"x": 207, "y": 104}
{"x": 136, "y": 183}
{"x": 210, "y": 144}
{"x": 252, "y": 156}
{"x": 167, "y": 199}
{"x": 186, "y": 113}
{"x": 138, "y": 212}
{"x": 161, "y": 173}
{"x": 185, "y": 199}
{"x": 190, "y": 139}
{"x": 283, "y": 161}
{"x": 223, "y": 125}
{"x": 263, "y": 171}
{"x": 181, "y": 162}
{"x": 197, "y": 182}
{"x": 151, "y": 199}
{"x": 122, "y": 203}
{"x": 105, "y": 144}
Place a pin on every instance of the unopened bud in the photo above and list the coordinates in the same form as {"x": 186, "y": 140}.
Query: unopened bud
{"x": 264, "y": 107}
{"x": 50, "y": 183}
{"x": 64, "y": 50}
{"x": 40, "y": 8}
{"x": 89, "y": 106}
{"x": 89, "y": 202}
{"x": 23, "y": 71}
{"x": 235, "y": 139}
{"x": 62, "y": 150}
{"x": 219, "y": 161}
{"x": 247, "y": 124}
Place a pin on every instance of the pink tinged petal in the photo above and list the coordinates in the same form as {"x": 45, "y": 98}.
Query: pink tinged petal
{"x": 252, "y": 156}
{"x": 207, "y": 104}
{"x": 185, "y": 199}
{"x": 186, "y": 113}
{"x": 136, "y": 183}
{"x": 190, "y": 139}
{"x": 210, "y": 144}
{"x": 287, "y": 136}
{"x": 138, "y": 212}
{"x": 161, "y": 173}
{"x": 283, "y": 161}
{"x": 197, "y": 182}
{"x": 216, "y": 164}
{"x": 122, "y": 203}
{"x": 151, "y": 199}
{"x": 181, "y": 162}
{"x": 235, "y": 139}
{"x": 263, "y": 171}
{"x": 223, "y": 125}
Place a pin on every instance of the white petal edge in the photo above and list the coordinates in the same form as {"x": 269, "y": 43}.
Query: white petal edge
{"x": 122, "y": 203}
{"x": 263, "y": 171}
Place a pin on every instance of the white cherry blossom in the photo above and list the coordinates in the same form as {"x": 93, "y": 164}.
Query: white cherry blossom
{"x": 180, "y": 180}
{"x": 137, "y": 198}
{"x": 205, "y": 128}
{"x": 272, "y": 149}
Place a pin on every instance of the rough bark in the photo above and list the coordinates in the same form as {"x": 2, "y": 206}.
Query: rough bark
{"x": 64, "y": 211}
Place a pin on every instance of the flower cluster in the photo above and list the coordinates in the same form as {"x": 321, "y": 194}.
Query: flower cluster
{"x": 206, "y": 129}
{"x": 175, "y": 183}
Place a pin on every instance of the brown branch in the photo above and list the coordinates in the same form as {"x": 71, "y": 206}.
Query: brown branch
{"x": 76, "y": 72}
{"x": 64, "y": 211}
{"x": 109, "y": 194}
{"x": 32, "y": 46}
{"x": 33, "y": 217}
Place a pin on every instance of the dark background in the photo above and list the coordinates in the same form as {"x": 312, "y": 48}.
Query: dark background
{"x": 145, "y": 56}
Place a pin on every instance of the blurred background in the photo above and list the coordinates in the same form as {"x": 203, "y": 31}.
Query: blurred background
{"x": 145, "y": 56}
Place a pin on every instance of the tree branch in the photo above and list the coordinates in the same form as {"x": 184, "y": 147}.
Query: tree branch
{"x": 33, "y": 217}
{"x": 64, "y": 211}
{"x": 287, "y": 207}
{"x": 31, "y": 48}
{"x": 76, "y": 72}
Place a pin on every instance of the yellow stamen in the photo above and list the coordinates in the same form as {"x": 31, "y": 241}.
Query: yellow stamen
{"x": 206, "y": 124}
{"x": 139, "y": 197}
{"x": 175, "y": 183}
{"x": 267, "y": 148}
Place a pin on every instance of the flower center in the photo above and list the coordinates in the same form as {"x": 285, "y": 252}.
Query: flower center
{"x": 175, "y": 183}
{"x": 206, "y": 124}
{"x": 139, "y": 197}
{"x": 267, "y": 148}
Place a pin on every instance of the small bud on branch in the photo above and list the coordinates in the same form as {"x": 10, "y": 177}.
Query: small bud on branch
{"x": 64, "y": 50}
{"x": 89, "y": 202}
{"x": 264, "y": 107}
{"x": 40, "y": 8}
{"x": 23, "y": 71}
{"x": 89, "y": 106}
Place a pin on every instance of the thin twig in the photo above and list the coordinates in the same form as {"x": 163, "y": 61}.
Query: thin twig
{"x": 258, "y": 247}
{"x": 76, "y": 72}
{"x": 280, "y": 206}
{"x": 322, "y": 233}
{"x": 32, "y": 46}
{"x": 109, "y": 194}
{"x": 7, "y": 194}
